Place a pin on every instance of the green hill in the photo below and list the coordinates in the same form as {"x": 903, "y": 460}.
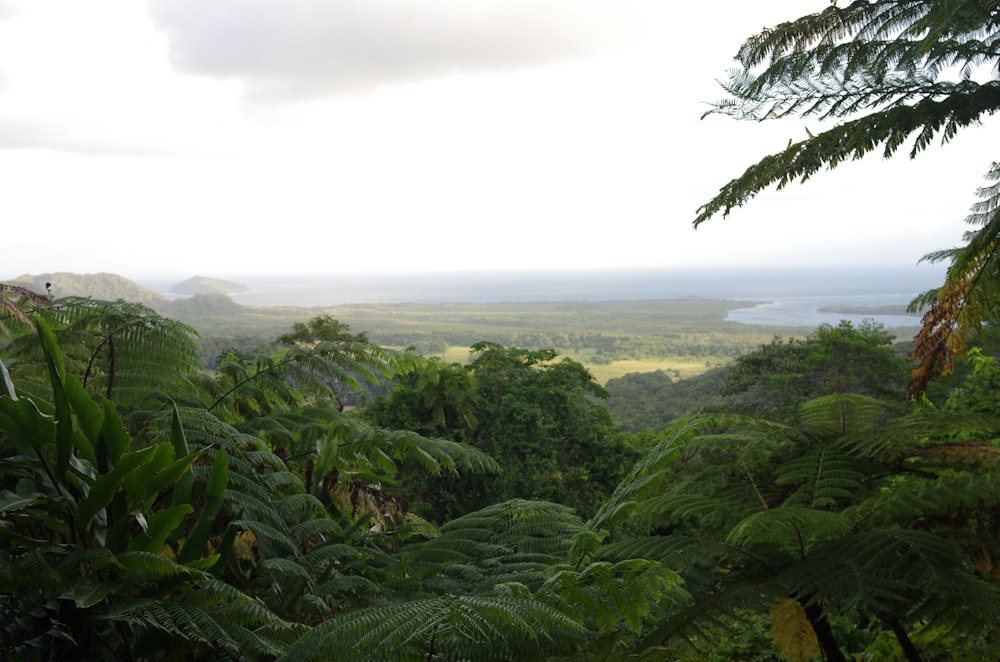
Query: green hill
{"x": 206, "y": 285}
{"x": 110, "y": 287}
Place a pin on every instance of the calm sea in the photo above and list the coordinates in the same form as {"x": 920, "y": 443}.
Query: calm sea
{"x": 792, "y": 296}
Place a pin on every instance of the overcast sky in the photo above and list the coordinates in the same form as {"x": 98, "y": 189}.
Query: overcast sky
{"x": 224, "y": 137}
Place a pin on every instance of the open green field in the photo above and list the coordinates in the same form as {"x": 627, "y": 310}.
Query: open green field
{"x": 611, "y": 338}
{"x": 681, "y": 366}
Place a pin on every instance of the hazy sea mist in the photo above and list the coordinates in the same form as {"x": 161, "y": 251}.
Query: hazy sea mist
{"x": 792, "y": 294}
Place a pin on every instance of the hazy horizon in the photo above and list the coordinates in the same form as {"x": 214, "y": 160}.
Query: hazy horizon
{"x": 571, "y": 285}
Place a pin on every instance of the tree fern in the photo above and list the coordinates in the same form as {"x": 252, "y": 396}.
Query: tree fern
{"x": 213, "y": 615}
{"x": 895, "y": 571}
{"x": 118, "y": 349}
{"x": 644, "y": 475}
{"x": 466, "y": 627}
{"x": 614, "y": 597}
{"x": 514, "y": 553}
{"x": 841, "y": 413}
{"x": 853, "y": 516}
{"x": 789, "y": 532}
{"x": 823, "y": 478}
{"x": 958, "y": 308}
{"x": 513, "y": 541}
{"x": 892, "y": 72}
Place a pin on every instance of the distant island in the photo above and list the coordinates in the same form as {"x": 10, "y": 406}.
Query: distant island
{"x": 206, "y": 285}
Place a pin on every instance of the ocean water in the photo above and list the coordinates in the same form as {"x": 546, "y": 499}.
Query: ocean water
{"x": 808, "y": 311}
{"x": 791, "y": 297}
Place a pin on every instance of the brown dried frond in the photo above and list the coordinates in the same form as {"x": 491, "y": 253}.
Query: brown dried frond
{"x": 945, "y": 326}
{"x": 967, "y": 454}
{"x": 14, "y": 298}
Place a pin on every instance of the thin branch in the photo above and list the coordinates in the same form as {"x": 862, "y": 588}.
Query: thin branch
{"x": 739, "y": 454}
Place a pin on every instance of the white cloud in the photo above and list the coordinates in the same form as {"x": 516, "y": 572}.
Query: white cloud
{"x": 307, "y": 48}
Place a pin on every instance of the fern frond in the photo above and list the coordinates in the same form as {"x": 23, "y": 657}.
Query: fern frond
{"x": 116, "y": 348}
{"x": 707, "y": 510}
{"x": 909, "y": 65}
{"x": 613, "y": 596}
{"x": 965, "y": 300}
{"x": 839, "y": 414}
{"x": 514, "y": 541}
{"x": 793, "y": 532}
{"x": 286, "y": 568}
{"x": 824, "y": 478}
{"x": 466, "y": 627}
{"x": 883, "y": 571}
{"x": 853, "y": 139}
{"x": 644, "y": 474}
{"x": 319, "y": 529}
{"x": 896, "y": 440}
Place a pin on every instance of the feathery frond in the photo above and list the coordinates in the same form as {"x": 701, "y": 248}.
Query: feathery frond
{"x": 967, "y": 298}
{"x": 478, "y": 628}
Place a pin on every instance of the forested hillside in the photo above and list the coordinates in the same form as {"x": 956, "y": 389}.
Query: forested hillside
{"x": 652, "y": 400}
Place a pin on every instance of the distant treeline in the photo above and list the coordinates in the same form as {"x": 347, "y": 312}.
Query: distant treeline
{"x": 595, "y": 332}
{"x": 605, "y": 347}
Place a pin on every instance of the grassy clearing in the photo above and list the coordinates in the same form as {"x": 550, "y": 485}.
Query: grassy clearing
{"x": 685, "y": 367}
{"x": 681, "y": 367}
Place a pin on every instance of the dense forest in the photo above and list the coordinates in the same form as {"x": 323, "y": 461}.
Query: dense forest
{"x": 493, "y": 510}
{"x": 321, "y": 496}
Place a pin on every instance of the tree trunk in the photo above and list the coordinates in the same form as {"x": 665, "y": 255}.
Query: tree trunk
{"x": 824, "y": 633}
{"x": 911, "y": 652}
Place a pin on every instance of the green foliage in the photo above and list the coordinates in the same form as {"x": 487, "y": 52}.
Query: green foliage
{"x": 834, "y": 359}
{"x": 442, "y": 628}
{"x": 652, "y": 400}
{"x": 537, "y": 417}
{"x": 897, "y": 71}
{"x": 495, "y": 585}
{"x": 980, "y": 391}
{"x": 856, "y": 517}
{"x": 509, "y": 542}
{"x": 121, "y": 350}
{"x": 254, "y": 518}
{"x": 83, "y": 523}
{"x": 318, "y": 362}
{"x": 193, "y": 536}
